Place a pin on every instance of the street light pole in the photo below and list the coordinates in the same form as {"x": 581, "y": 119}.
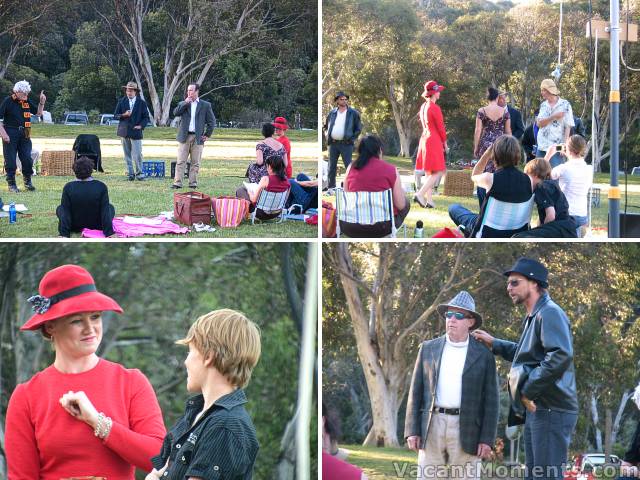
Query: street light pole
{"x": 614, "y": 105}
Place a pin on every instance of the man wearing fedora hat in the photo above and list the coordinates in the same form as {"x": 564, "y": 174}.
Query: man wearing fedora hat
{"x": 133, "y": 114}
{"x": 542, "y": 383}
{"x": 453, "y": 406}
{"x": 555, "y": 119}
{"x": 342, "y": 128}
{"x": 281, "y": 135}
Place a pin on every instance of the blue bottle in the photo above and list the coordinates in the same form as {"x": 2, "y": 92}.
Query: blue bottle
{"x": 12, "y": 213}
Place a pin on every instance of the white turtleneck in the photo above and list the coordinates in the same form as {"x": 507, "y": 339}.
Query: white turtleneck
{"x": 449, "y": 389}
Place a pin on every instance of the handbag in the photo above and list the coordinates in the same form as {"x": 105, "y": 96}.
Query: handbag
{"x": 230, "y": 211}
{"x": 192, "y": 207}
{"x": 328, "y": 220}
{"x": 123, "y": 128}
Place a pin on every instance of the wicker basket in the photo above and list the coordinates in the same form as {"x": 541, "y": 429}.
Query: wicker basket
{"x": 58, "y": 163}
{"x": 457, "y": 183}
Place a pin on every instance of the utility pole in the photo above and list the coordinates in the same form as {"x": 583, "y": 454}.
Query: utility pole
{"x": 614, "y": 105}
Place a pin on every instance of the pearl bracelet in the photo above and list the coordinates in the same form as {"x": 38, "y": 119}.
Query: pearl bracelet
{"x": 103, "y": 427}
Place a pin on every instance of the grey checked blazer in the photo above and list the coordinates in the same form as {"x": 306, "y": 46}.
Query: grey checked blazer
{"x": 479, "y": 406}
{"x": 204, "y": 117}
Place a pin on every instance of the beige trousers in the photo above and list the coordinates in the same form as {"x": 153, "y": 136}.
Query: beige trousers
{"x": 186, "y": 149}
{"x": 443, "y": 456}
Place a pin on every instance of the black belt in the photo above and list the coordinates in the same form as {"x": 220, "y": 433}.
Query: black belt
{"x": 344, "y": 142}
{"x": 13, "y": 126}
{"x": 191, "y": 133}
{"x": 447, "y": 411}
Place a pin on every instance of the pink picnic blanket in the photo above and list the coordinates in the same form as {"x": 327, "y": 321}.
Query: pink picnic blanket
{"x": 146, "y": 226}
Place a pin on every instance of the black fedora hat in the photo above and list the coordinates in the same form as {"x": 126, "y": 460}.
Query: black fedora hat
{"x": 532, "y": 269}
{"x": 340, "y": 94}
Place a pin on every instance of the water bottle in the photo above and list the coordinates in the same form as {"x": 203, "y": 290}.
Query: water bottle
{"x": 418, "y": 231}
{"x": 12, "y": 213}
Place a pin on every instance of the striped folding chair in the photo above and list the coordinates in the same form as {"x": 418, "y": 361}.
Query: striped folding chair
{"x": 270, "y": 203}
{"x": 501, "y": 215}
{"x": 365, "y": 208}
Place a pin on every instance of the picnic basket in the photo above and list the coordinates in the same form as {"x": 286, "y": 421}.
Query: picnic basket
{"x": 57, "y": 163}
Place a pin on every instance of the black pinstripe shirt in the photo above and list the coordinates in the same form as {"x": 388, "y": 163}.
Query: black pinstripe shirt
{"x": 221, "y": 445}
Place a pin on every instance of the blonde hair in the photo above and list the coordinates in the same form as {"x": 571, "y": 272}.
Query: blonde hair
{"x": 230, "y": 339}
{"x": 538, "y": 167}
{"x": 577, "y": 145}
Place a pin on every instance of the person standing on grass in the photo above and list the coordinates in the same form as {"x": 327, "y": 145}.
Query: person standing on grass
{"x": 342, "y": 127}
{"x": 197, "y": 122}
{"x": 453, "y": 403}
{"x": 15, "y": 129}
{"x": 554, "y": 121}
{"x": 133, "y": 114}
{"x": 542, "y": 379}
{"x": 281, "y": 125}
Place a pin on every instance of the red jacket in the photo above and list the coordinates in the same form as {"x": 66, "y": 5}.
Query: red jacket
{"x": 284, "y": 140}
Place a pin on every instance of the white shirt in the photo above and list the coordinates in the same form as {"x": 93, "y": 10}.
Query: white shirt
{"x": 192, "y": 123}
{"x": 132, "y": 102}
{"x": 575, "y": 178}
{"x": 337, "y": 132}
{"x": 449, "y": 389}
{"x": 553, "y": 133}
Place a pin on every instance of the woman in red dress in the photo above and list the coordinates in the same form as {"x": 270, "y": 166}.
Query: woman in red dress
{"x": 433, "y": 144}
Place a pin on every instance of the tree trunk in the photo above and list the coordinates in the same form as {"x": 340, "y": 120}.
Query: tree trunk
{"x": 384, "y": 400}
{"x": 404, "y": 132}
{"x": 618, "y": 420}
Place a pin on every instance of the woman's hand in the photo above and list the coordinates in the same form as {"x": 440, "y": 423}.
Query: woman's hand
{"x": 78, "y": 405}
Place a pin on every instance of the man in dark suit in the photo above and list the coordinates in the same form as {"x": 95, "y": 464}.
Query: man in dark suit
{"x": 197, "y": 122}
{"x": 517, "y": 127}
{"x": 452, "y": 410}
{"x": 133, "y": 114}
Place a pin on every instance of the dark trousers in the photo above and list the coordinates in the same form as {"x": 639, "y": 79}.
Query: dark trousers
{"x": 377, "y": 230}
{"x": 547, "y": 434}
{"x": 305, "y": 196}
{"x": 66, "y": 225}
{"x": 463, "y": 216}
{"x": 20, "y": 146}
{"x": 335, "y": 150}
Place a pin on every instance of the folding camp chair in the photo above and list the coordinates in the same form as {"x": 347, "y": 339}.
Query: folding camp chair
{"x": 501, "y": 215}
{"x": 271, "y": 203}
{"x": 365, "y": 208}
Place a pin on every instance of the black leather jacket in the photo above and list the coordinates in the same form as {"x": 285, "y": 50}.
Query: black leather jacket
{"x": 352, "y": 125}
{"x": 542, "y": 361}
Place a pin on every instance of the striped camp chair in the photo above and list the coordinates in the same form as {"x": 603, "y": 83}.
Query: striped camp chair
{"x": 269, "y": 203}
{"x": 365, "y": 208}
{"x": 501, "y": 215}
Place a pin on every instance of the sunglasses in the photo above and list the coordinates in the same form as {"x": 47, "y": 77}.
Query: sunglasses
{"x": 513, "y": 283}
{"x": 458, "y": 315}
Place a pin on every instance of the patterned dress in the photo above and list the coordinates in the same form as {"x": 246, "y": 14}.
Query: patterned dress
{"x": 491, "y": 130}
{"x": 255, "y": 172}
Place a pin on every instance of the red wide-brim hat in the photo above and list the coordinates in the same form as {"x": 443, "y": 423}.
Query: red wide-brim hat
{"x": 64, "y": 291}
{"x": 431, "y": 88}
{"x": 281, "y": 122}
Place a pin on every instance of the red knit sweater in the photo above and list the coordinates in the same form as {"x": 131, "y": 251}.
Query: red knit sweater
{"x": 284, "y": 140}
{"x": 44, "y": 442}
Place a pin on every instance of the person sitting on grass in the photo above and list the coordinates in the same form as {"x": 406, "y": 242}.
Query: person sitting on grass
{"x": 304, "y": 192}
{"x": 275, "y": 181}
{"x": 85, "y": 203}
{"x": 553, "y": 208}
{"x": 215, "y": 438}
{"x": 370, "y": 173}
{"x": 507, "y": 185}
{"x": 269, "y": 147}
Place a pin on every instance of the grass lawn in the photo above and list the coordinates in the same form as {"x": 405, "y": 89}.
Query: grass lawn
{"x": 224, "y": 162}
{"x": 437, "y": 218}
{"x": 387, "y": 463}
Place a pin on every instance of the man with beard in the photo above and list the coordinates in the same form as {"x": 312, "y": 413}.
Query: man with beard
{"x": 542, "y": 383}
{"x": 452, "y": 410}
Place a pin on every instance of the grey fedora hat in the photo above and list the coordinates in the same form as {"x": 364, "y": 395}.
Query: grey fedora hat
{"x": 465, "y": 301}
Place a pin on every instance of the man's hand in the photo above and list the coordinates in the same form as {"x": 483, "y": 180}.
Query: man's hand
{"x": 204, "y": 138}
{"x": 126, "y": 114}
{"x": 413, "y": 442}
{"x": 156, "y": 474}
{"x": 5, "y": 137}
{"x": 43, "y": 97}
{"x": 484, "y": 450}
{"x": 529, "y": 404}
{"x": 188, "y": 100}
{"x": 557, "y": 115}
{"x": 483, "y": 337}
{"x": 138, "y": 127}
